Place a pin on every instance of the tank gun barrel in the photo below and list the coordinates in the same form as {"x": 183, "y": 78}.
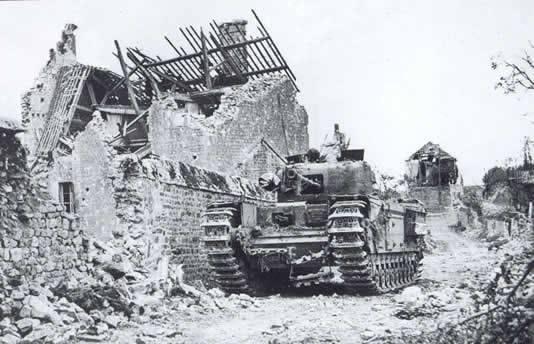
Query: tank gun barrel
{"x": 269, "y": 147}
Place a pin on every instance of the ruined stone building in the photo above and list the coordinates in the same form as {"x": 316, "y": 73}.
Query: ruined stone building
{"x": 139, "y": 155}
{"x": 518, "y": 189}
{"x": 432, "y": 166}
{"x": 37, "y": 239}
{"x": 433, "y": 177}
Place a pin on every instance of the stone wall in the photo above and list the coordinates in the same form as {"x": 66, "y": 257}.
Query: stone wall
{"x": 38, "y": 241}
{"x": 229, "y": 139}
{"x": 435, "y": 198}
{"x": 154, "y": 204}
{"x": 88, "y": 168}
{"x": 92, "y": 160}
{"x": 161, "y": 202}
{"x": 48, "y": 248}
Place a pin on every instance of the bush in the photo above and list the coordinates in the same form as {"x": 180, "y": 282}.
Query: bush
{"x": 504, "y": 311}
{"x": 495, "y": 176}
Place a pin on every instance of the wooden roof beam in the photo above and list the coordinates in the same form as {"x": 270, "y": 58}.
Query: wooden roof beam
{"x": 210, "y": 51}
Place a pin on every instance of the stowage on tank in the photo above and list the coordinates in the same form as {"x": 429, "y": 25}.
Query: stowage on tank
{"x": 327, "y": 226}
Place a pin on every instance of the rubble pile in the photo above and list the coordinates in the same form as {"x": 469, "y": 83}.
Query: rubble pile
{"x": 30, "y": 312}
{"x": 55, "y": 283}
{"x": 86, "y": 308}
{"x": 498, "y": 306}
{"x": 35, "y": 306}
{"x": 162, "y": 321}
{"x": 413, "y": 302}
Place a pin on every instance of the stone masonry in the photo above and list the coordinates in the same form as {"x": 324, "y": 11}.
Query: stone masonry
{"x": 229, "y": 140}
{"x": 160, "y": 204}
{"x": 156, "y": 203}
{"x": 37, "y": 239}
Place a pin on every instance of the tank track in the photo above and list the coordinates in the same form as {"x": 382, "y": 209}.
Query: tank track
{"x": 362, "y": 272}
{"x": 225, "y": 269}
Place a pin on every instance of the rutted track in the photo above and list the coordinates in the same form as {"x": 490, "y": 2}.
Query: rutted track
{"x": 304, "y": 317}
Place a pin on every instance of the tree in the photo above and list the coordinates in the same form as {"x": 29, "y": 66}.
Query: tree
{"x": 389, "y": 187}
{"x": 518, "y": 74}
{"x": 495, "y": 176}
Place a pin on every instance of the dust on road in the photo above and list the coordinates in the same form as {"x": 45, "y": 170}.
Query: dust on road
{"x": 456, "y": 267}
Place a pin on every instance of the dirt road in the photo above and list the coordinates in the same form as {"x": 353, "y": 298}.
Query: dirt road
{"x": 450, "y": 273}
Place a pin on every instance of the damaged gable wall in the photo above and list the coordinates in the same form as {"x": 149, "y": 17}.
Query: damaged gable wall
{"x": 433, "y": 177}
{"x": 88, "y": 169}
{"x": 228, "y": 140}
{"x": 153, "y": 205}
{"x": 37, "y": 101}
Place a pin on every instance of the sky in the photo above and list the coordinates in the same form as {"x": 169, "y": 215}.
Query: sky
{"x": 393, "y": 74}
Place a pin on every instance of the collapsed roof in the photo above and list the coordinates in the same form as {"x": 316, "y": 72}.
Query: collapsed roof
{"x": 80, "y": 90}
{"x": 220, "y": 56}
{"x": 431, "y": 149}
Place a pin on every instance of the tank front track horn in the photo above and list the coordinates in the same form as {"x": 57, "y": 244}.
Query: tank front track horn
{"x": 224, "y": 266}
{"x": 347, "y": 245}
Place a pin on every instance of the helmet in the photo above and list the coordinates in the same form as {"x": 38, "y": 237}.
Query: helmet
{"x": 313, "y": 155}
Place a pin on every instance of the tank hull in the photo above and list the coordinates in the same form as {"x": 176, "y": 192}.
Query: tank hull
{"x": 366, "y": 245}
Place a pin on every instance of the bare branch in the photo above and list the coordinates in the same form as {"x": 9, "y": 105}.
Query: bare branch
{"x": 529, "y": 268}
{"x": 528, "y": 60}
{"x": 525, "y": 86}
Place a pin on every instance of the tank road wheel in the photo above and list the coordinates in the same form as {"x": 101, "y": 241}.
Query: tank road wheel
{"x": 347, "y": 245}
{"x": 392, "y": 271}
{"x": 419, "y": 263}
{"x": 408, "y": 269}
{"x": 380, "y": 276}
{"x": 225, "y": 268}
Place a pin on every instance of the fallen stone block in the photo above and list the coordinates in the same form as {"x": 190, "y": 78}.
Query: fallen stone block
{"x": 91, "y": 338}
{"x": 100, "y": 297}
{"x": 26, "y": 325}
{"x": 17, "y": 295}
{"x": 4, "y": 323}
{"x": 216, "y": 293}
{"x": 113, "y": 320}
{"x": 101, "y": 328}
{"x": 410, "y": 294}
{"x": 67, "y": 319}
{"x": 367, "y": 335}
{"x": 25, "y": 312}
{"x": 42, "y": 310}
{"x": 11, "y": 329}
{"x": 10, "y": 339}
{"x": 497, "y": 243}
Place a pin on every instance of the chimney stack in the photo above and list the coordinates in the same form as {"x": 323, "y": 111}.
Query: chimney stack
{"x": 231, "y": 33}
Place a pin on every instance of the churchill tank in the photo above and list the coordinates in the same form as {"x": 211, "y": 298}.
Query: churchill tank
{"x": 327, "y": 225}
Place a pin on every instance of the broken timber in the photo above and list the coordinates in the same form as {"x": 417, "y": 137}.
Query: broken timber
{"x": 228, "y": 51}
